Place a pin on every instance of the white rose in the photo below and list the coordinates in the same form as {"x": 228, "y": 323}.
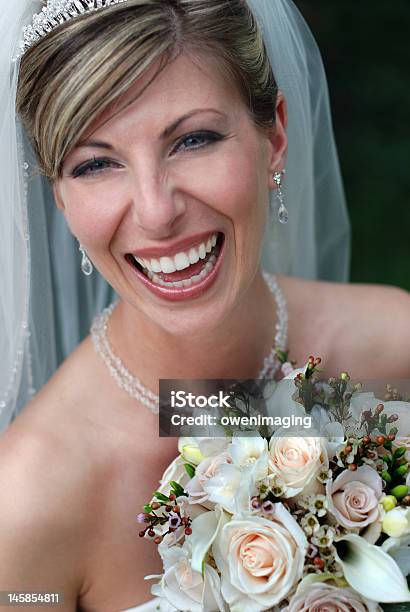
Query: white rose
{"x": 297, "y": 461}
{"x": 323, "y": 596}
{"x": 260, "y": 560}
{"x": 354, "y": 497}
{"x": 184, "y": 588}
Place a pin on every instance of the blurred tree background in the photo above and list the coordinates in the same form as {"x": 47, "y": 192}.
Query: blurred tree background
{"x": 366, "y": 52}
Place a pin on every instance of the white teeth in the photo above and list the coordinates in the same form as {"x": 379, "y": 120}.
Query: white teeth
{"x": 187, "y": 282}
{"x": 193, "y": 256}
{"x": 167, "y": 265}
{"x": 155, "y": 265}
{"x": 181, "y": 260}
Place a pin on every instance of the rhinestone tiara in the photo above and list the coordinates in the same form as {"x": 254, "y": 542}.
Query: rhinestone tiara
{"x": 55, "y": 13}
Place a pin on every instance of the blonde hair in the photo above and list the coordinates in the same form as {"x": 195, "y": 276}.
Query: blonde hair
{"x": 75, "y": 72}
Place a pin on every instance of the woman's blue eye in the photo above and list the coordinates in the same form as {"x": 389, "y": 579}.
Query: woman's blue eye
{"x": 208, "y": 137}
{"x": 94, "y": 166}
{"x": 99, "y": 165}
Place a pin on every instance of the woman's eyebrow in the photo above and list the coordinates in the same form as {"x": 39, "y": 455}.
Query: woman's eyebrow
{"x": 99, "y": 144}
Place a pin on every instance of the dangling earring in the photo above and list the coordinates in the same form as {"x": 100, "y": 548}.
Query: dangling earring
{"x": 86, "y": 265}
{"x": 283, "y": 214}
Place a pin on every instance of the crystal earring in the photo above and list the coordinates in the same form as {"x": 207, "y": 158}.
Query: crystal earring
{"x": 86, "y": 265}
{"x": 283, "y": 214}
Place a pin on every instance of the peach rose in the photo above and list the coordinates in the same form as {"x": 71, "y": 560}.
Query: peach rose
{"x": 320, "y": 596}
{"x": 354, "y": 497}
{"x": 297, "y": 461}
{"x": 260, "y": 560}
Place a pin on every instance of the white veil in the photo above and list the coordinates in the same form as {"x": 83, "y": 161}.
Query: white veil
{"x": 47, "y": 304}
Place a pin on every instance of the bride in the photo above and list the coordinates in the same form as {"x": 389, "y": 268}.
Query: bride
{"x": 165, "y": 138}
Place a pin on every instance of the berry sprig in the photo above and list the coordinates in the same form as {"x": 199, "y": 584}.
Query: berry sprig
{"x": 390, "y": 462}
{"x": 311, "y": 368}
{"x": 165, "y": 509}
{"x": 379, "y": 420}
{"x": 392, "y": 393}
{"x": 305, "y": 384}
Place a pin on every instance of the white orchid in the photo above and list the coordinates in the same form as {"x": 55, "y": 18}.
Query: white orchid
{"x": 232, "y": 482}
{"x": 250, "y": 453}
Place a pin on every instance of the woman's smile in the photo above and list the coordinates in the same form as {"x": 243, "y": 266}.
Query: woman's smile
{"x": 185, "y": 275}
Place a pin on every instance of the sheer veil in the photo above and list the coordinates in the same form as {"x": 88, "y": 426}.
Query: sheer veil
{"x": 47, "y": 304}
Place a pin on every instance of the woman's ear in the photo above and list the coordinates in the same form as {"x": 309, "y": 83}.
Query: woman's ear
{"x": 57, "y": 196}
{"x": 278, "y": 139}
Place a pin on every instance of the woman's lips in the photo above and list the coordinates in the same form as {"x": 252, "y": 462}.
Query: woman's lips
{"x": 183, "y": 293}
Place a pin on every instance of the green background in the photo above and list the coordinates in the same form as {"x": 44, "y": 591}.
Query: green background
{"x": 366, "y": 51}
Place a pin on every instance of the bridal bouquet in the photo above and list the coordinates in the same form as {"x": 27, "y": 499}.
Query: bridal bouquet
{"x": 290, "y": 521}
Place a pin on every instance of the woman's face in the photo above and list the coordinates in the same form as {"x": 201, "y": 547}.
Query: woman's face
{"x": 182, "y": 167}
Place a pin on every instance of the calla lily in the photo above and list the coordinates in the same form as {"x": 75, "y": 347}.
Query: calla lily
{"x": 399, "y": 549}
{"x": 371, "y": 571}
{"x": 204, "y": 530}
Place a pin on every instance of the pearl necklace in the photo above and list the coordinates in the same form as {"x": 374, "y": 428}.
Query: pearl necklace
{"x": 134, "y": 387}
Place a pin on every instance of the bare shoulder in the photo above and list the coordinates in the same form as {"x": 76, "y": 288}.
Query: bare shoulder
{"x": 362, "y": 326}
{"x": 43, "y": 524}
{"x": 48, "y": 479}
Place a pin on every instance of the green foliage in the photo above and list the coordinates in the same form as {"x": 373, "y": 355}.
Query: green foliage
{"x": 366, "y": 55}
{"x": 177, "y": 489}
{"x": 190, "y": 470}
{"x": 161, "y": 497}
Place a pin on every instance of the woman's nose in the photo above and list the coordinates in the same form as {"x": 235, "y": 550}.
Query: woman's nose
{"x": 157, "y": 204}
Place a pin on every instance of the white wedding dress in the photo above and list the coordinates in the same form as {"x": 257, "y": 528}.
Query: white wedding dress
{"x": 150, "y": 606}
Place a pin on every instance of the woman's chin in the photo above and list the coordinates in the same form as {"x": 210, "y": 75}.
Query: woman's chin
{"x": 195, "y": 323}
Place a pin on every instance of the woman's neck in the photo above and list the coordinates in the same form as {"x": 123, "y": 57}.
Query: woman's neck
{"x": 234, "y": 349}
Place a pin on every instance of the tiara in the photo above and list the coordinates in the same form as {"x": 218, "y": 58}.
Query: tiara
{"x": 55, "y": 13}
